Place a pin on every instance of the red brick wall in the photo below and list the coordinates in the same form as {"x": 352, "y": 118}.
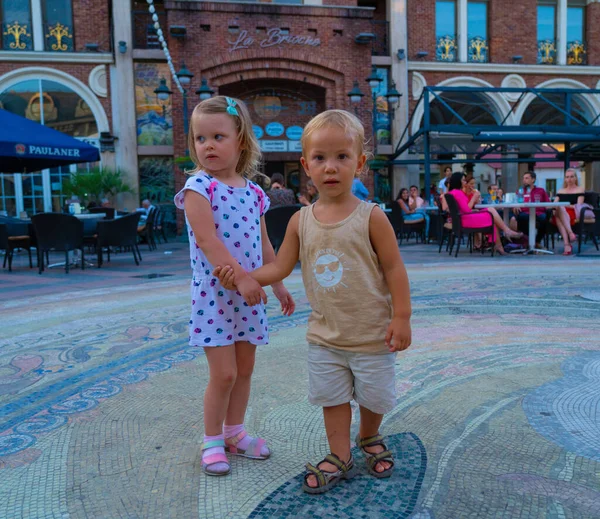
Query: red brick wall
{"x": 421, "y": 28}
{"x": 592, "y": 35}
{"x": 91, "y": 22}
{"x": 512, "y": 26}
{"x": 333, "y": 65}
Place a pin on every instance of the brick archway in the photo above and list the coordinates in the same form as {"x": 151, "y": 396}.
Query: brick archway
{"x": 279, "y": 65}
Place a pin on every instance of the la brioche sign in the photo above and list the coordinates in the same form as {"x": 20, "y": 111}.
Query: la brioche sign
{"x": 274, "y": 37}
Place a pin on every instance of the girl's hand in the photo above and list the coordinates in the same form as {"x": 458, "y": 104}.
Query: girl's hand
{"x": 285, "y": 298}
{"x": 399, "y": 335}
{"x": 251, "y": 291}
{"x": 226, "y": 277}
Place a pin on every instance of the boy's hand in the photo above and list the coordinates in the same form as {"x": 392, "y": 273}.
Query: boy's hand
{"x": 251, "y": 291}
{"x": 399, "y": 335}
{"x": 285, "y": 298}
{"x": 226, "y": 277}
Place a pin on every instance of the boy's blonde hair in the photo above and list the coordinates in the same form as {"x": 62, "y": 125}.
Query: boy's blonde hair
{"x": 340, "y": 119}
{"x": 249, "y": 163}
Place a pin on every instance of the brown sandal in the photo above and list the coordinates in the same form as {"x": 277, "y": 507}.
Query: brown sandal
{"x": 373, "y": 459}
{"x": 327, "y": 480}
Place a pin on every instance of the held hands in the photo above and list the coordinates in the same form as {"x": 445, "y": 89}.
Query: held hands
{"x": 249, "y": 288}
{"x": 399, "y": 335}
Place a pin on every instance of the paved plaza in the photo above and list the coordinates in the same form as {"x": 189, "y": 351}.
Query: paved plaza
{"x": 498, "y": 412}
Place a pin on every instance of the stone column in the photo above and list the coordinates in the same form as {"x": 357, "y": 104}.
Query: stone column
{"x": 463, "y": 31}
{"x": 561, "y": 32}
{"x": 398, "y": 27}
{"x": 122, "y": 90}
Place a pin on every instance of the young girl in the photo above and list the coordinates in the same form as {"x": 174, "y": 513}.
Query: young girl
{"x": 224, "y": 214}
{"x": 359, "y": 293}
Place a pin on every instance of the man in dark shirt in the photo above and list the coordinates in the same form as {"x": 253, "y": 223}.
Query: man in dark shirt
{"x": 278, "y": 194}
{"x": 531, "y": 193}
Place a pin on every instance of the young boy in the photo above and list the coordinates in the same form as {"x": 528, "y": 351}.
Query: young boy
{"x": 359, "y": 292}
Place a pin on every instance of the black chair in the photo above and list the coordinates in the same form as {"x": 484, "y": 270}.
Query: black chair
{"x": 20, "y": 235}
{"x": 589, "y": 226}
{"x": 404, "y": 228}
{"x": 108, "y": 211}
{"x": 60, "y": 232}
{"x": 5, "y": 246}
{"x": 122, "y": 232}
{"x": 146, "y": 230}
{"x": 159, "y": 227}
{"x": 458, "y": 230}
{"x": 277, "y": 220}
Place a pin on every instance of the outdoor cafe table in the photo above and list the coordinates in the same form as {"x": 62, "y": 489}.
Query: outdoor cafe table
{"x": 532, "y": 206}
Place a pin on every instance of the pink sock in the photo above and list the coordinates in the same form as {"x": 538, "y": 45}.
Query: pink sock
{"x": 233, "y": 430}
{"x": 216, "y": 467}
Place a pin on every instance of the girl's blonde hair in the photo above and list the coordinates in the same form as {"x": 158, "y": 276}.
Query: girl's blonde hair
{"x": 340, "y": 119}
{"x": 249, "y": 163}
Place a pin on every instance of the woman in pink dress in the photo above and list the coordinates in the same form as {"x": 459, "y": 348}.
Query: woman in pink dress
{"x": 475, "y": 219}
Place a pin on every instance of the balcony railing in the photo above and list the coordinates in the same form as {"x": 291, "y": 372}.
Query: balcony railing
{"x": 16, "y": 36}
{"x": 478, "y": 50}
{"x": 446, "y": 48}
{"x": 59, "y": 37}
{"x": 380, "y": 46}
{"x": 576, "y": 53}
{"x": 546, "y": 52}
{"x": 144, "y": 32}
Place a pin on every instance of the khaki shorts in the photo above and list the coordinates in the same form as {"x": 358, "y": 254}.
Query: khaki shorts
{"x": 336, "y": 376}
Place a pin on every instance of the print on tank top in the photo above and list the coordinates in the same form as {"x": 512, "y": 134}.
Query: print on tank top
{"x": 328, "y": 269}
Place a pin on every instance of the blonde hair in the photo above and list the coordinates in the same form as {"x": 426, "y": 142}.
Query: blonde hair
{"x": 574, "y": 173}
{"x": 340, "y": 119}
{"x": 249, "y": 163}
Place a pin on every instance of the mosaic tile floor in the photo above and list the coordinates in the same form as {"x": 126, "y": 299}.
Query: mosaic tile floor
{"x": 498, "y": 411}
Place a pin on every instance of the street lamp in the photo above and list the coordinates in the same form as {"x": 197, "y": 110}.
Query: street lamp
{"x": 204, "y": 92}
{"x": 185, "y": 78}
{"x": 355, "y": 96}
{"x": 162, "y": 93}
{"x": 374, "y": 81}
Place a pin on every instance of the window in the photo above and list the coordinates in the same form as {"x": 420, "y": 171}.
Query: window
{"x": 546, "y": 33}
{"x": 58, "y": 25}
{"x": 445, "y": 30}
{"x": 16, "y": 25}
{"x": 477, "y": 32}
{"x": 576, "y": 48}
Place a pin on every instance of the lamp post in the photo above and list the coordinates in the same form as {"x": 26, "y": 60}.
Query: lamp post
{"x": 374, "y": 81}
{"x": 162, "y": 94}
{"x": 355, "y": 96}
{"x": 185, "y": 78}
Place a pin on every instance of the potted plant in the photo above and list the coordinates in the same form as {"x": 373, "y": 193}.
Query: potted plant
{"x": 96, "y": 184}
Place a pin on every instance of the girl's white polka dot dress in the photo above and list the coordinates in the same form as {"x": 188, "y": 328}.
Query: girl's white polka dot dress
{"x": 221, "y": 317}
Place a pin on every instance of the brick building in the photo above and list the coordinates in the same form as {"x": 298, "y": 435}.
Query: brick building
{"x": 90, "y": 68}
{"x": 508, "y": 43}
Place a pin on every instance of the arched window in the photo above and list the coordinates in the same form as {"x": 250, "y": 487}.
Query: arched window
{"x": 52, "y": 104}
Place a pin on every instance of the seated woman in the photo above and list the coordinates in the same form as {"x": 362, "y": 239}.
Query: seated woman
{"x": 565, "y": 217}
{"x": 472, "y": 219}
{"x": 410, "y": 211}
{"x": 468, "y": 187}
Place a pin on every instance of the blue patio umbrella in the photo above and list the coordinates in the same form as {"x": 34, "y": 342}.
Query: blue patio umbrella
{"x": 28, "y": 146}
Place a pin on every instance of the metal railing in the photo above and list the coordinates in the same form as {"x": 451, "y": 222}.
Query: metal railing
{"x": 478, "y": 50}
{"x": 546, "y": 52}
{"x": 446, "y": 48}
{"x": 380, "y": 46}
{"x": 576, "y": 53}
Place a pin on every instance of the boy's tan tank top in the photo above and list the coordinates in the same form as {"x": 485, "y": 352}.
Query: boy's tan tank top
{"x": 350, "y": 300}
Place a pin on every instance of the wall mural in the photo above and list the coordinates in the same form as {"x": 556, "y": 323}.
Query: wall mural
{"x": 154, "y": 117}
